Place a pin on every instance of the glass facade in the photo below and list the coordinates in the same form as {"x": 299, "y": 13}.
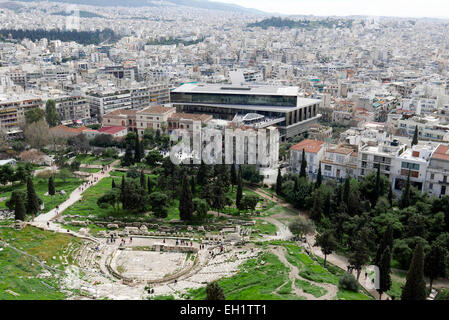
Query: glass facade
{"x": 235, "y": 99}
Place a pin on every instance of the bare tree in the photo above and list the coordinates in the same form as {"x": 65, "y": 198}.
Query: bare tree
{"x": 37, "y": 134}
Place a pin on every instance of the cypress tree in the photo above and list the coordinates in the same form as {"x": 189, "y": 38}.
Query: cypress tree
{"x": 239, "y": 194}
{"x": 185, "y": 201}
{"x": 303, "y": 172}
{"x": 390, "y": 196}
{"x": 123, "y": 196}
{"x": 19, "y": 209}
{"x": 233, "y": 176}
{"x": 51, "y": 186}
{"x": 415, "y": 136}
{"x": 142, "y": 180}
{"x": 385, "y": 242}
{"x": 214, "y": 292}
{"x": 319, "y": 178}
{"x": 384, "y": 272}
{"x": 377, "y": 184}
{"x": 435, "y": 263}
{"x": 279, "y": 183}
{"x": 203, "y": 174}
{"x": 149, "y": 185}
{"x": 346, "y": 191}
{"x": 32, "y": 206}
{"x": 113, "y": 183}
{"x": 137, "y": 155}
{"x": 192, "y": 185}
{"x": 415, "y": 286}
{"x": 405, "y": 196}
{"x": 128, "y": 157}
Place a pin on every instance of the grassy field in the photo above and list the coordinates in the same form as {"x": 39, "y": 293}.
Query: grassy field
{"x": 90, "y": 170}
{"x": 265, "y": 227}
{"x": 397, "y": 281}
{"x": 310, "y": 288}
{"x": 90, "y": 159}
{"x": 257, "y": 279}
{"x": 19, "y": 272}
{"x": 41, "y": 187}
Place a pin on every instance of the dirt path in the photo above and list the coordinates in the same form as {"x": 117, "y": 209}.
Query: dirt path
{"x": 294, "y": 274}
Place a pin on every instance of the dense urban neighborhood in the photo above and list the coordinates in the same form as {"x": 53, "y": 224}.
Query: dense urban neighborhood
{"x": 176, "y": 150}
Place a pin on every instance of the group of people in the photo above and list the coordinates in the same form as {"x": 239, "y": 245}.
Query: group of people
{"x": 183, "y": 242}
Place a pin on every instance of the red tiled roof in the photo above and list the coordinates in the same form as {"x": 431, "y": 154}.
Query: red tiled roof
{"x": 111, "y": 130}
{"x": 157, "y": 109}
{"x": 311, "y": 146}
{"x": 190, "y": 116}
{"x": 120, "y": 112}
{"x": 441, "y": 153}
{"x": 70, "y": 130}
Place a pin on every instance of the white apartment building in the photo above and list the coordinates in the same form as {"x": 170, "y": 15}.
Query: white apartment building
{"x": 313, "y": 150}
{"x": 437, "y": 183}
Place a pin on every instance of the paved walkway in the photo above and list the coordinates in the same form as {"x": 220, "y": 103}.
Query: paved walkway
{"x": 75, "y": 196}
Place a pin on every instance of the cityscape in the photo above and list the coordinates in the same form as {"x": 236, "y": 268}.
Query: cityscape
{"x": 205, "y": 150}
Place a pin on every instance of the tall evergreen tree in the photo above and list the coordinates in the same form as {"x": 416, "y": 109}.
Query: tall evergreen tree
{"x": 239, "y": 194}
{"x": 415, "y": 286}
{"x": 279, "y": 182}
{"x": 303, "y": 172}
{"x": 192, "y": 185}
{"x": 327, "y": 242}
{"x": 32, "y": 206}
{"x": 385, "y": 242}
{"x": 378, "y": 187}
{"x": 319, "y": 177}
{"x": 137, "y": 150}
{"x": 149, "y": 184}
{"x": 214, "y": 292}
{"x": 415, "y": 136}
{"x": 186, "y": 201}
{"x": 19, "y": 209}
{"x": 51, "y": 186}
{"x": 435, "y": 263}
{"x": 384, "y": 272}
{"x": 346, "y": 191}
{"x": 51, "y": 114}
{"x": 233, "y": 176}
{"x": 390, "y": 196}
{"x": 128, "y": 159}
{"x": 142, "y": 180}
{"x": 405, "y": 196}
{"x": 123, "y": 196}
{"x": 113, "y": 184}
{"x": 203, "y": 174}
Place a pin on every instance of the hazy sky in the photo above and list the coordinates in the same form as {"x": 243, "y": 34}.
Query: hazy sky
{"x": 398, "y": 8}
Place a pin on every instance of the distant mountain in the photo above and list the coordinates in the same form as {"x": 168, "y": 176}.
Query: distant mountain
{"x": 200, "y": 4}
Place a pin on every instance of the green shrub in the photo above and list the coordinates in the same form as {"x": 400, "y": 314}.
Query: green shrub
{"x": 348, "y": 282}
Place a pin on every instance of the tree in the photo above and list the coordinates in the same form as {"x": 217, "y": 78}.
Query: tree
{"x": 203, "y": 174}
{"x": 200, "y": 207}
{"x": 128, "y": 159}
{"x": 359, "y": 255}
{"x": 6, "y": 174}
{"x": 149, "y": 184}
{"x": 37, "y": 134}
{"x": 185, "y": 201}
{"x": 64, "y": 174}
{"x": 319, "y": 177}
{"x": 233, "y": 176}
{"x": 153, "y": 158}
{"x": 377, "y": 189}
{"x": 51, "y": 186}
{"x": 79, "y": 144}
{"x": 404, "y": 201}
{"x": 390, "y": 196}
{"x": 327, "y": 242}
{"x": 249, "y": 202}
{"x": 112, "y": 198}
{"x": 279, "y": 182}
{"x": 19, "y": 208}
{"x": 415, "y": 286}
{"x": 346, "y": 191}
{"x": 142, "y": 180}
{"x": 214, "y": 292}
{"x": 435, "y": 263}
{"x": 51, "y": 114}
{"x": 415, "y": 136}
{"x": 385, "y": 242}
{"x": 303, "y": 172}
{"x": 239, "y": 194}
{"x": 113, "y": 184}
{"x": 158, "y": 201}
{"x": 251, "y": 174}
{"x": 21, "y": 174}
{"x": 32, "y": 206}
{"x": 301, "y": 226}
{"x": 34, "y": 115}
{"x": 137, "y": 150}
{"x": 384, "y": 272}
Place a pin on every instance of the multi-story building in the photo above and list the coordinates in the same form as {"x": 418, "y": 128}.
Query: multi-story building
{"x": 437, "y": 177}
{"x": 153, "y": 117}
{"x": 185, "y": 121}
{"x": 121, "y": 118}
{"x": 313, "y": 150}
{"x": 339, "y": 162}
{"x": 72, "y": 108}
{"x": 280, "y": 105}
{"x": 104, "y": 101}
{"x": 12, "y": 111}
